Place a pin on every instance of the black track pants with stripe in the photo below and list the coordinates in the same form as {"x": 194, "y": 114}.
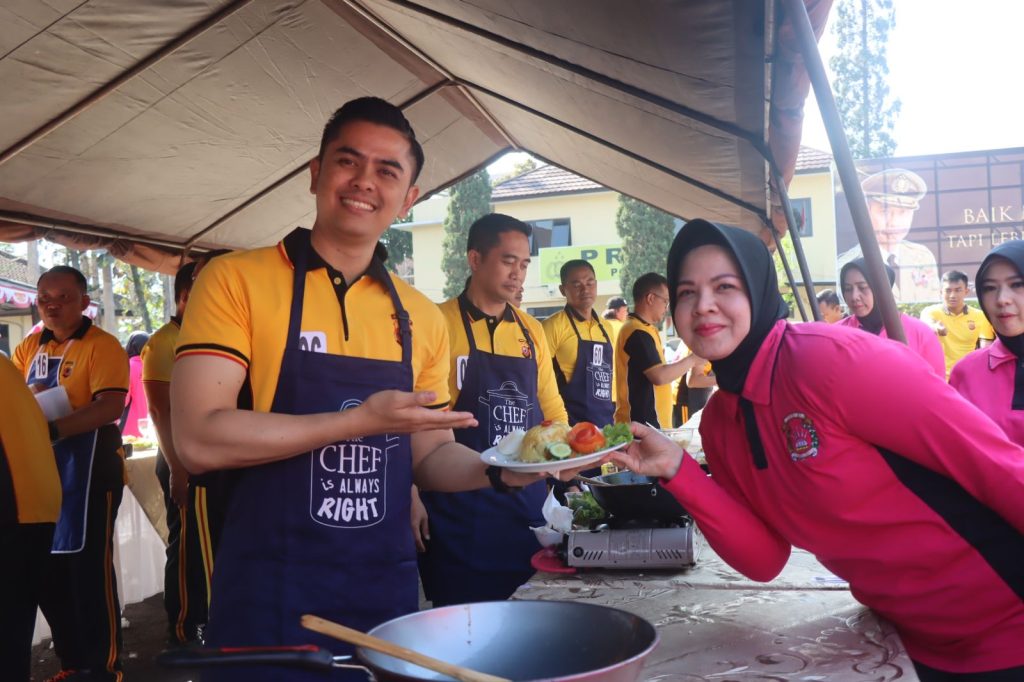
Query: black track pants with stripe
{"x": 190, "y": 545}
{"x": 79, "y": 592}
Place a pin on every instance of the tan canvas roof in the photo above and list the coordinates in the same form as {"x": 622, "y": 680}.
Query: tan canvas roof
{"x": 195, "y": 119}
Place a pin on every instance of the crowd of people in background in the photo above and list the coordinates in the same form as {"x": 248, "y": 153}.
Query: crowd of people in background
{"x": 341, "y": 413}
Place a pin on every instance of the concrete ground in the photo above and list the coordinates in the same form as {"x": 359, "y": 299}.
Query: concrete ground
{"x": 144, "y": 638}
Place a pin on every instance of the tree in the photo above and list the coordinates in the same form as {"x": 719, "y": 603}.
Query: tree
{"x": 861, "y": 71}
{"x": 646, "y": 237}
{"x": 525, "y": 166}
{"x": 398, "y": 243}
{"x": 469, "y": 199}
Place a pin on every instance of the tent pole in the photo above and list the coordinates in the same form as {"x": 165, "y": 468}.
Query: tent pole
{"x": 789, "y": 271}
{"x": 98, "y": 95}
{"x": 797, "y": 12}
{"x": 798, "y": 247}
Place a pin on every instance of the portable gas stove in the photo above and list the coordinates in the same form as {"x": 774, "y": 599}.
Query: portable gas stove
{"x": 632, "y": 544}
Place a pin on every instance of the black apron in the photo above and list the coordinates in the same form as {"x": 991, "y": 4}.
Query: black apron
{"x": 588, "y": 395}
{"x": 325, "y": 532}
{"x": 480, "y": 541}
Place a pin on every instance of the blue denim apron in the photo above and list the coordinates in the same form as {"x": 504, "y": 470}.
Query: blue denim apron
{"x": 74, "y": 456}
{"x": 325, "y": 532}
{"x": 588, "y": 395}
{"x": 480, "y": 541}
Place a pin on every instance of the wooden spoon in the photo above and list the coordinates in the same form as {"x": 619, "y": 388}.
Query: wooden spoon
{"x": 346, "y": 634}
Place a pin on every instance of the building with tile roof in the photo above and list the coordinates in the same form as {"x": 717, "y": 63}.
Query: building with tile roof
{"x": 573, "y": 217}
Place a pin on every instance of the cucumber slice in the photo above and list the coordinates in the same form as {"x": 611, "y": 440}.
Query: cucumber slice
{"x": 559, "y": 450}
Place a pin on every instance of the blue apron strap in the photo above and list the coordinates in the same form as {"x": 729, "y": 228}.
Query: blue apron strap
{"x": 593, "y": 316}
{"x": 526, "y": 333}
{"x": 298, "y": 294}
{"x": 464, "y": 314}
{"x": 404, "y": 326}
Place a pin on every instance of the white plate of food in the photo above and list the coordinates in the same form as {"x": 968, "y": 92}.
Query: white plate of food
{"x": 546, "y": 447}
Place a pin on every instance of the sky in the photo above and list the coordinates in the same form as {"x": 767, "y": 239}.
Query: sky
{"x": 954, "y": 64}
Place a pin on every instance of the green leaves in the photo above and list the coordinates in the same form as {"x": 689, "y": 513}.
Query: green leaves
{"x": 646, "y": 237}
{"x": 860, "y": 76}
{"x": 469, "y": 199}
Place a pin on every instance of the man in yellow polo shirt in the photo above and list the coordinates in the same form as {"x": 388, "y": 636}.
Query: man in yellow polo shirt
{"x": 88, "y": 365}
{"x": 480, "y": 541}
{"x": 960, "y": 327}
{"x": 29, "y": 505}
{"x": 643, "y": 378}
{"x": 582, "y": 348}
{"x": 615, "y": 314}
{"x": 345, "y": 372}
{"x": 186, "y": 574}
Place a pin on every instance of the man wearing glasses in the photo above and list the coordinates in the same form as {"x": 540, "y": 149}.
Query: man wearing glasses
{"x": 643, "y": 380}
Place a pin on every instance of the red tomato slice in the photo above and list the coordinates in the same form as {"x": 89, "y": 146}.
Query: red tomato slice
{"x": 586, "y": 438}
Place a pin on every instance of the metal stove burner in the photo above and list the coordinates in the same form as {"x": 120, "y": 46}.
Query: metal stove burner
{"x": 633, "y": 544}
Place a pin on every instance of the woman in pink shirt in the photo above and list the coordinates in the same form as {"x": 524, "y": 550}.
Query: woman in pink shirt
{"x": 848, "y": 446}
{"x": 993, "y": 378}
{"x": 135, "y": 407}
{"x": 865, "y": 314}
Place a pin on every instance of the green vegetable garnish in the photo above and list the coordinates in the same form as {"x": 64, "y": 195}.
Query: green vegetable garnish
{"x": 617, "y": 434}
{"x": 584, "y": 508}
{"x": 559, "y": 450}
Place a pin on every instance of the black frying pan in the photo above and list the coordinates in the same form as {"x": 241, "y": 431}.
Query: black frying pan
{"x": 630, "y": 496}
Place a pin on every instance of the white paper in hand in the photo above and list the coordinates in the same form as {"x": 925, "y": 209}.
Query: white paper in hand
{"x": 54, "y": 403}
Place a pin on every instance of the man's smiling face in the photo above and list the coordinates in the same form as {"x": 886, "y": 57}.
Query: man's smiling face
{"x": 364, "y": 181}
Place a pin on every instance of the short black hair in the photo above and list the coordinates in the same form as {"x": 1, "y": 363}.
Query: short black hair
{"x": 956, "y": 276}
{"x": 616, "y": 302}
{"x": 80, "y": 279}
{"x": 647, "y": 283}
{"x": 378, "y": 111}
{"x": 183, "y": 280}
{"x": 570, "y": 265}
{"x": 210, "y": 255}
{"x": 485, "y": 232}
{"x": 828, "y": 297}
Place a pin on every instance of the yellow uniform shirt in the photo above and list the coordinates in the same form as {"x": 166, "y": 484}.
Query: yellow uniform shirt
{"x": 614, "y": 326}
{"x": 29, "y": 483}
{"x": 240, "y": 304}
{"x": 507, "y": 339}
{"x": 962, "y": 331}
{"x": 93, "y": 361}
{"x": 158, "y": 353}
{"x": 638, "y": 348}
{"x": 563, "y": 341}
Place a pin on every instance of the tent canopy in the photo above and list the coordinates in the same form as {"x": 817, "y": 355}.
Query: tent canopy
{"x": 149, "y": 128}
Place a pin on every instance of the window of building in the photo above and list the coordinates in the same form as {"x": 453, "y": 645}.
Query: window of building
{"x": 555, "y": 232}
{"x": 802, "y": 213}
{"x": 542, "y": 312}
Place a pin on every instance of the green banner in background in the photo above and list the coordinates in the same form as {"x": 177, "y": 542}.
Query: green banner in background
{"x": 606, "y": 259}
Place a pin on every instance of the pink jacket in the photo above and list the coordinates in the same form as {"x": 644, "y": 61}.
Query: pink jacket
{"x": 985, "y": 378}
{"x": 138, "y": 407}
{"x": 881, "y": 470}
{"x": 920, "y": 337}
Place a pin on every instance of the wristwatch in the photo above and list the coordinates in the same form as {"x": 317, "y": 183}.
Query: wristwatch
{"x": 494, "y": 475}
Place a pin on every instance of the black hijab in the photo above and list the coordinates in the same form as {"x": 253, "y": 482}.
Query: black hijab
{"x": 1014, "y": 253}
{"x": 758, "y": 272}
{"x": 871, "y": 322}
